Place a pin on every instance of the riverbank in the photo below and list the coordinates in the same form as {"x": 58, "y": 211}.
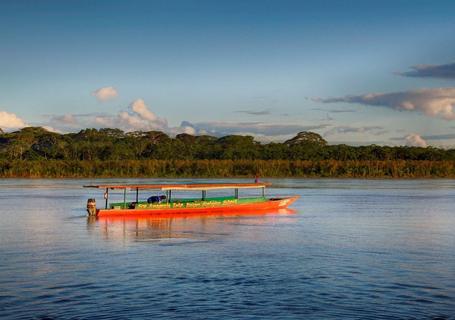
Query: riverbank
{"x": 226, "y": 168}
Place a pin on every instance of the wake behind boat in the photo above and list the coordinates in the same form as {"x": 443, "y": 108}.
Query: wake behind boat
{"x": 166, "y": 204}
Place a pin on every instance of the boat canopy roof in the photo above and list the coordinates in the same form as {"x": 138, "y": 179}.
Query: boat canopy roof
{"x": 196, "y": 186}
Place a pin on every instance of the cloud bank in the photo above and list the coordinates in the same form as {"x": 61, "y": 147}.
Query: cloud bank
{"x": 10, "y": 121}
{"x": 137, "y": 117}
{"x": 223, "y": 128}
{"x": 442, "y": 71}
{"x": 435, "y": 102}
{"x": 254, "y": 113}
{"x": 375, "y": 130}
{"x": 447, "y": 136}
{"x": 334, "y": 110}
{"x": 105, "y": 94}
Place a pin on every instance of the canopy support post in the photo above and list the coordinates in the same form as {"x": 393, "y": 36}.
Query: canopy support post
{"x": 137, "y": 195}
{"x": 106, "y": 195}
{"x": 236, "y": 193}
{"x": 263, "y": 192}
{"x": 124, "y": 198}
{"x": 170, "y": 195}
{"x": 204, "y": 194}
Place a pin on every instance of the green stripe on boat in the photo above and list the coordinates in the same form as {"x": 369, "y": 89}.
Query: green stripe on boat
{"x": 189, "y": 203}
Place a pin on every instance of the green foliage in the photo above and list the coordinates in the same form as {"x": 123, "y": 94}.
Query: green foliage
{"x": 227, "y": 168}
{"x": 35, "y": 152}
{"x": 307, "y": 138}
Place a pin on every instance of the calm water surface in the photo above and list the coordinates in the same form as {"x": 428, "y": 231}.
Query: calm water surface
{"x": 353, "y": 249}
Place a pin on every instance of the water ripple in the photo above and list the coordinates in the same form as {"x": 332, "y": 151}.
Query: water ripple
{"x": 355, "y": 250}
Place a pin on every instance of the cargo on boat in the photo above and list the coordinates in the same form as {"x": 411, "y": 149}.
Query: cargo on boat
{"x": 166, "y": 203}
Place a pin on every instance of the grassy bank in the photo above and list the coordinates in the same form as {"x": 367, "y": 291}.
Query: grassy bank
{"x": 227, "y": 168}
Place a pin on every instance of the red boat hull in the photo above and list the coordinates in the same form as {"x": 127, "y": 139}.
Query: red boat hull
{"x": 271, "y": 204}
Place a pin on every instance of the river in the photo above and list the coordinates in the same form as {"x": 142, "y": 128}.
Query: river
{"x": 348, "y": 249}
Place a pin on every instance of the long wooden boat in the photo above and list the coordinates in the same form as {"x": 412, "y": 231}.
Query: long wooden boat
{"x": 166, "y": 204}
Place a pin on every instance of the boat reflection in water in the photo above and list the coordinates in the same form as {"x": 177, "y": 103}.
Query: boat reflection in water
{"x": 182, "y": 227}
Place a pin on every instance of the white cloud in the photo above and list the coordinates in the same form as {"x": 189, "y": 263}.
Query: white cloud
{"x": 415, "y": 140}
{"x": 105, "y": 93}
{"x": 188, "y": 130}
{"x": 10, "y": 121}
{"x": 138, "y": 118}
{"x": 139, "y": 107}
{"x": 436, "y": 102}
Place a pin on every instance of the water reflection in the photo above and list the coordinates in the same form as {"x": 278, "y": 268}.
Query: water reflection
{"x": 178, "y": 227}
{"x": 365, "y": 249}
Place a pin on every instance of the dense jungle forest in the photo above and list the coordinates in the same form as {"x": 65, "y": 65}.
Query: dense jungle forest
{"x": 36, "y": 152}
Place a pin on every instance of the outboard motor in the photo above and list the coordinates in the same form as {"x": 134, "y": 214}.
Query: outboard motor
{"x": 91, "y": 207}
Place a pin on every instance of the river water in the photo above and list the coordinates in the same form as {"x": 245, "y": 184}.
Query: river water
{"x": 349, "y": 249}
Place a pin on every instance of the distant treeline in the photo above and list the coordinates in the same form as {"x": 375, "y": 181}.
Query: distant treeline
{"x": 227, "y": 168}
{"x": 35, "y": 152}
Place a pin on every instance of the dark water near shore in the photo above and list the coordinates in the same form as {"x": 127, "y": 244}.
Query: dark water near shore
{"x": 353, "y": 249}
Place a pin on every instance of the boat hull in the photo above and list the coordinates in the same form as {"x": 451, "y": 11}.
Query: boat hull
{"x": 270, "y": 204}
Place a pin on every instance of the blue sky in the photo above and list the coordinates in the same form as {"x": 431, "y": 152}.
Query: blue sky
{"x": 266, "y": 68}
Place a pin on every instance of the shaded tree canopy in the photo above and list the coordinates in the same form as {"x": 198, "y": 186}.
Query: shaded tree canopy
{"x": 35, "y": 143}
{"x": 307, "y": 137}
